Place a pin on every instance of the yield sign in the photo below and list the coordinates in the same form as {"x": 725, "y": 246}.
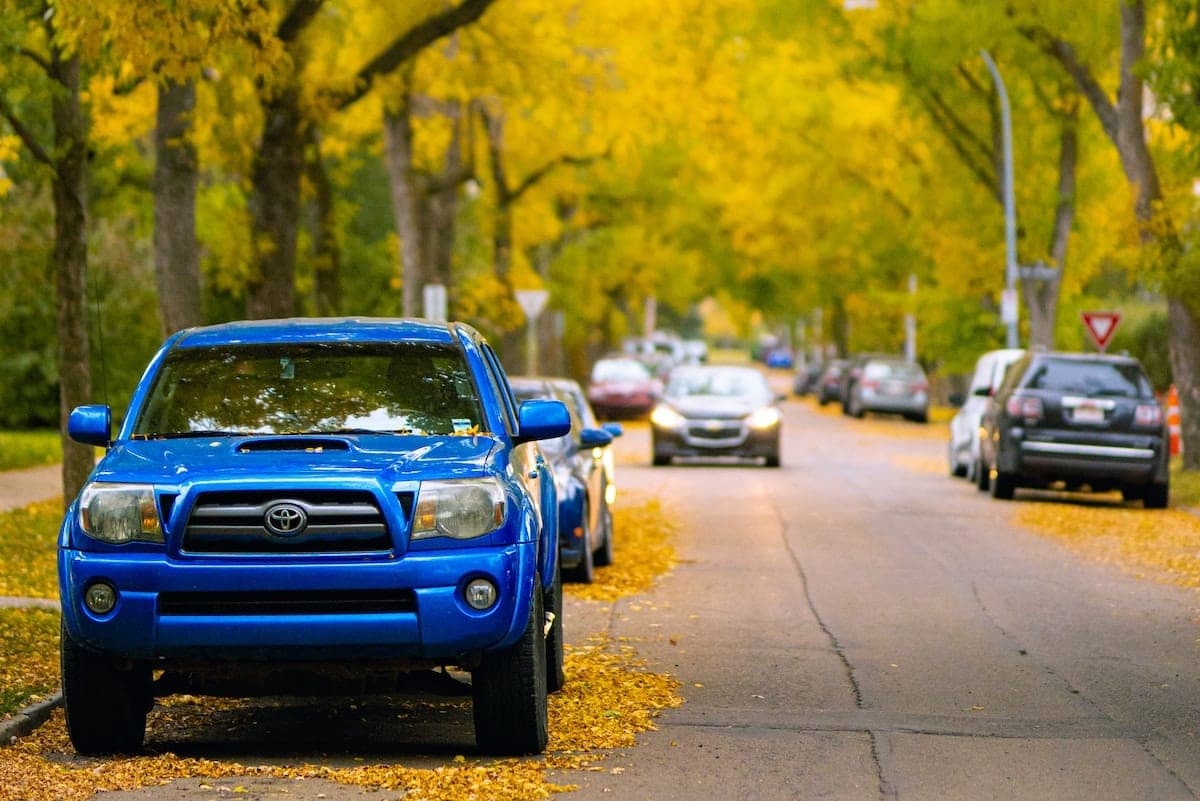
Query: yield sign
{"x": 1100, "y": 326}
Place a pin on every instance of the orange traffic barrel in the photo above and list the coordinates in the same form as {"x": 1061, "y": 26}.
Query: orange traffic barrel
{"x": 1173, "y": 421}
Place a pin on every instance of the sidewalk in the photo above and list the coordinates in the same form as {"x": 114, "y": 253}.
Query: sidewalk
{"x": 23, "y": 487}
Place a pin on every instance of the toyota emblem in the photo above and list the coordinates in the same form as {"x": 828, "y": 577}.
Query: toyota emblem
{"x": 285, "y": 519}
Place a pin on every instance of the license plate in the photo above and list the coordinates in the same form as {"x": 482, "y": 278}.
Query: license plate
{"x": 1089, "y": 414}
{"x": 894, "y": 388}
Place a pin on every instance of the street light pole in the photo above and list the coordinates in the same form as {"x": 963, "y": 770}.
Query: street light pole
{"x": 1010, "y": 208}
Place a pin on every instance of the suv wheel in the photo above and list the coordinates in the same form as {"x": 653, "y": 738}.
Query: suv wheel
{"x": 508, "y": 691}
{"x": 1004, "y": 486}
{"x": 1155, "y": 496}
{"x": 105, "y": 705}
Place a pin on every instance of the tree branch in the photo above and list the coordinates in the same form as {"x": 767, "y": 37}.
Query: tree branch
{"x": 297, "y": 19}
{"x": 985, "y": 176}
{"x": 25, "y": 134}
{"x": 1062, "y": 52}
{"x": 411, "y": 43}
{"x": 541, "y": 172}
{"x": 36, "y": 59}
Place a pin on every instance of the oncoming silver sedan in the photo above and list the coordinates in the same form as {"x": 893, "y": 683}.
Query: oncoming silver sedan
{"x": 710, "y": 411}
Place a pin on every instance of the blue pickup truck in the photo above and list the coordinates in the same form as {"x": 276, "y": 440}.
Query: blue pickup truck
{"x": 333, "y": 497}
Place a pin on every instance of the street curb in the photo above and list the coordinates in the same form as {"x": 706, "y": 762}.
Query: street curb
{"x": 25, "y": 722}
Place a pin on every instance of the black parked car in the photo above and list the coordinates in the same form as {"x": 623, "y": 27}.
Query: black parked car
{"x": 1080, "y": 419}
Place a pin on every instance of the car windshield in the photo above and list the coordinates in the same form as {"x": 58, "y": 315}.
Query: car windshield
{"x": 1091, "y": 379}
{"x": 619, "y": 370}
{"x": 312, "y": 388}
{"x": 718, "y": 382}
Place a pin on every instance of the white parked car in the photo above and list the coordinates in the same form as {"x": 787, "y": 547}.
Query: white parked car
{"x": 964, "y": 428}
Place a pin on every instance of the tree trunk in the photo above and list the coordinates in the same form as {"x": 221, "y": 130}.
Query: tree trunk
{"x": 176, "y": 252}
{"x": 442, "y": 206}
{"x": 407, "y": 196}
{"x": 327, "y": 257}
{"x": 275, "y": 207}
{"x": 1041, "y": 295}
{"x": 70, "y": 265}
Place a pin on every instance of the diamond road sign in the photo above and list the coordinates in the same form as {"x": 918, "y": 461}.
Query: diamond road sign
{"x": 1100, "y": 326}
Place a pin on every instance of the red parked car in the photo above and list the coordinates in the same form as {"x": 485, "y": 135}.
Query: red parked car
{"x": 622, "y": 387}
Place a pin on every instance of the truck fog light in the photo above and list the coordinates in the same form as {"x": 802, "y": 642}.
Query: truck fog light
{"x": 100, "y": 598}
{"x": 481, "y": 594}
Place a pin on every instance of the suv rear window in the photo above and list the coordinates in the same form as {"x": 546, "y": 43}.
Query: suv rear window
{"x": 1098, "y": 379}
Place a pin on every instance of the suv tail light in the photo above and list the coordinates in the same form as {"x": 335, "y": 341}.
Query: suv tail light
{"x": 870, "y": 383}
{"x": 920, "y": 386}
{"x": 1024, "y": 406}
{"x": 1148, "y": 415}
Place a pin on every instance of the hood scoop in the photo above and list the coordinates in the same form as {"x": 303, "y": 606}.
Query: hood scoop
{"x": 305, "y": 444}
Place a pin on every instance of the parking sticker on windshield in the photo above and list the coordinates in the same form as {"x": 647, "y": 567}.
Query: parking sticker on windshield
{"x": 461, "y": 425}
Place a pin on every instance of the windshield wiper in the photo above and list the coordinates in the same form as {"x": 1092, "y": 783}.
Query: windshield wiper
{"x": 366, "y": 431}
{"x": 199, "y": 434}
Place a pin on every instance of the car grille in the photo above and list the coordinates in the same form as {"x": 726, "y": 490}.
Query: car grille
{"x": 724, "y": 431}
{"x": 200, "y": 604}
{"x": 337, "y": 521}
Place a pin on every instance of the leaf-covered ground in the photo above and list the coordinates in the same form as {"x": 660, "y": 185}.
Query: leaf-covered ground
{"x": 1161, "y": 544}
{"x": 28, "y": 542}
{"x": 642, "y": 537}
{"x": 28, "y": 656}
{"x": 608, "y": 699}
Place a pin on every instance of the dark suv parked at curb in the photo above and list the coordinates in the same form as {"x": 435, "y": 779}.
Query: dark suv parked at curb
{"x": 1080, "y": 419}
{"x": 347, "y": 500}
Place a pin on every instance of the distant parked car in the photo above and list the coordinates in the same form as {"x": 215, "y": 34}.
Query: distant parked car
{"x": 779, "y": 357}
{"x": 853, "y": 372}
{"x": 964, "y": 428}
{"x": 829, "y": 385}
{"x": 806, "y": 377}
{"x": 577, "y": 460}
{"x": 1080, "y": 419}
{"x": 892, "y": 386}
{"x": 622, "y": 387}
{"x": 716, "y": 411}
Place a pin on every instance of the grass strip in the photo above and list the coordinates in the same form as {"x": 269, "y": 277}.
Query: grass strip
{"x": 28, "y": 550}
{"x": 20, "y": 449}
{"x": 28, "y": 657}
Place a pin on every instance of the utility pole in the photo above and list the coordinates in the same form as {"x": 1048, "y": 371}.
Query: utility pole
{"x": 1008, "y": 306}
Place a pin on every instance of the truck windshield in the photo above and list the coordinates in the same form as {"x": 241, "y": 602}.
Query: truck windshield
{"x": 312, "y": 388}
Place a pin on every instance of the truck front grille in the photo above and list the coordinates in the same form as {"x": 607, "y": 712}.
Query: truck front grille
{"x": 324, "y": 521}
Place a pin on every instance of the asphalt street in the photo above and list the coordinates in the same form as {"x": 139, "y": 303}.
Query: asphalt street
{"x": 857, "y": 625}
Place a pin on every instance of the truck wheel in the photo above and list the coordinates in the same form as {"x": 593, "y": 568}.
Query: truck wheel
{"x": 509, "y": 692}
{"x": 105, "y": 704}
{"x": 553, "y": 604}
{"x": 603, "y": 556}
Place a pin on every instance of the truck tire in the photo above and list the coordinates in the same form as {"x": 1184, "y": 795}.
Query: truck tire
{"x": 105, "y": 704}
{"x": 553, "y": 604}
{"x": 509, "y": 692}
{"x": 1156, "y": 496}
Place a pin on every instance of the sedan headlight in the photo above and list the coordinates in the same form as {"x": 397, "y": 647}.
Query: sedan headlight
{"x": 666, "y": 417}
{"x": 119, "y": 513}
{"x": 765, "y": 417}
{"x": 461, "y": 509}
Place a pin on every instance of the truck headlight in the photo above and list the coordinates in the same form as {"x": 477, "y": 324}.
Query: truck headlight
{"x": 461, "y": 509}
{"x": 119, "y": 513}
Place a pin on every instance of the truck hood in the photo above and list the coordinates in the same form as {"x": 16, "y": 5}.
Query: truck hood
{"x": 385, "y": 457}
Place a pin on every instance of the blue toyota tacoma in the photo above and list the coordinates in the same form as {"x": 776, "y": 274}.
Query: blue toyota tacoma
{"x": 348, "y": 497}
